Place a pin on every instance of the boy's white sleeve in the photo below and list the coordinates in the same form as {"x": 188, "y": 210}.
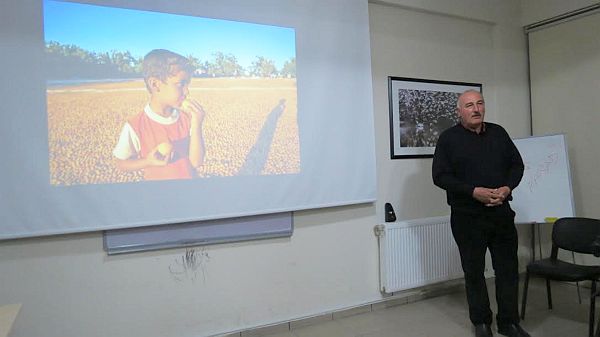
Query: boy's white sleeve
{"x": 128, "y": 144}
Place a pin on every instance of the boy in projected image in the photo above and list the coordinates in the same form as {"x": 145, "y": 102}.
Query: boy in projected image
{"x": 165, "y": 139}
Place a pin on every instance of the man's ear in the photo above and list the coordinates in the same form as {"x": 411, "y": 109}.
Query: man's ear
{"x": 154, "y": 83}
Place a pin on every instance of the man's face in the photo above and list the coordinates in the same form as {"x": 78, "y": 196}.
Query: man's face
{"x": 471, "y": 109}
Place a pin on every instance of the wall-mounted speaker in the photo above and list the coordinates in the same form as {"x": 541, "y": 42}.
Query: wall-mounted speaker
{"x": 390, "y": 216}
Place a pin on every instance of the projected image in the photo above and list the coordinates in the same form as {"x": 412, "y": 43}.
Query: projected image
{"x": 137, "y": 95}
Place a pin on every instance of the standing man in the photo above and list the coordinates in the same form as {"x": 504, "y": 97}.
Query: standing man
{"x": 478, "y": 165}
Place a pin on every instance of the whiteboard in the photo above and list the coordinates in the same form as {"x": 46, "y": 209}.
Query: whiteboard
{"x": 545, "y": 190}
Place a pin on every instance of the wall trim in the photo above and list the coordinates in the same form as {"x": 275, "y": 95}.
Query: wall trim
{"x": 556, "y": 20}
{"x": 389, "y": 301}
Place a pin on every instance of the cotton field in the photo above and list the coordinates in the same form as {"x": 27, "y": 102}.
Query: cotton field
{"x": 250, "y": 128}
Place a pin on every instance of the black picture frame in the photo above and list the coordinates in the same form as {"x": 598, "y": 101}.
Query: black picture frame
{"x": 420, "y": 109}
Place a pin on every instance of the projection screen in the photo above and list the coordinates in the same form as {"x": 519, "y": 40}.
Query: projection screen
{"x": 256, "y": 108}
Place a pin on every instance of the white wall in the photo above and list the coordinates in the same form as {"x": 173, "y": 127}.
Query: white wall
{"x": 411, "y": 42}
{"x": 407, "y": 43}
{"x": 69, "y": 287}
{"x": 565, "y": 77}
{"x": 564, "y": 64}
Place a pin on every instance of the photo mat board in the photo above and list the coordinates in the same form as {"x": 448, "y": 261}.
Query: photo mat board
{"x": 420, "y": 109}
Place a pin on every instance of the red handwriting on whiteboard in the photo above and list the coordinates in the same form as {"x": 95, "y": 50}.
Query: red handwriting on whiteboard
{"x": 542, "y": 169}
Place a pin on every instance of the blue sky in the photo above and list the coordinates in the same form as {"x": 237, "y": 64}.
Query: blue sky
{"x": 102, "y": 29}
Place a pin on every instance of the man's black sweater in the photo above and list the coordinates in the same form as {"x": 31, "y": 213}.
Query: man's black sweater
{"x": 464, "y": 160}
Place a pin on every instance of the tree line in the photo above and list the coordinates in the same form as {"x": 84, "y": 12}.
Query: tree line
{"x": 67, "y": 61}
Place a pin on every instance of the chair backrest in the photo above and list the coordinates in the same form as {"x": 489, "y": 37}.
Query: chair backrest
{"x": 581, "y": 235}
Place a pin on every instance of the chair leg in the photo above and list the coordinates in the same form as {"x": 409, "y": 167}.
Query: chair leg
{"x": 592, "y": 308}
{"x": 524, "y": 300}
{"x": 549, "y": 293}
{"x": 576, "y": 283}
{"x": 598, "y": 329}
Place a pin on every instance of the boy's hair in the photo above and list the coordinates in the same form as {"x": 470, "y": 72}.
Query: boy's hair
{"x": 162, "y": 63}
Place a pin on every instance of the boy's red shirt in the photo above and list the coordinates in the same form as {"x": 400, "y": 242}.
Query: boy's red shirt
{"x": 151, "y": 133}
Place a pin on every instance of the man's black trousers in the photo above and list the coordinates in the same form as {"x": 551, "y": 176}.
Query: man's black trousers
{"x": 474, "y": 234}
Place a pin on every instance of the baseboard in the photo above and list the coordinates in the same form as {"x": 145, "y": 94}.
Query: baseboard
{"x": 390, "y": 300}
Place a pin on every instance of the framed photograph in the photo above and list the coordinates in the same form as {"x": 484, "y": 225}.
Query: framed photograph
{"x": 420, "y": 110}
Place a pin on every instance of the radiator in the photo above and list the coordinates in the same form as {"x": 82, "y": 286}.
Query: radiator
{"x": 415, "y": 253}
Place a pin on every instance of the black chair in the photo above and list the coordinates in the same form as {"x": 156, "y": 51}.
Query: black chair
{"x": 579, "y": 235}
